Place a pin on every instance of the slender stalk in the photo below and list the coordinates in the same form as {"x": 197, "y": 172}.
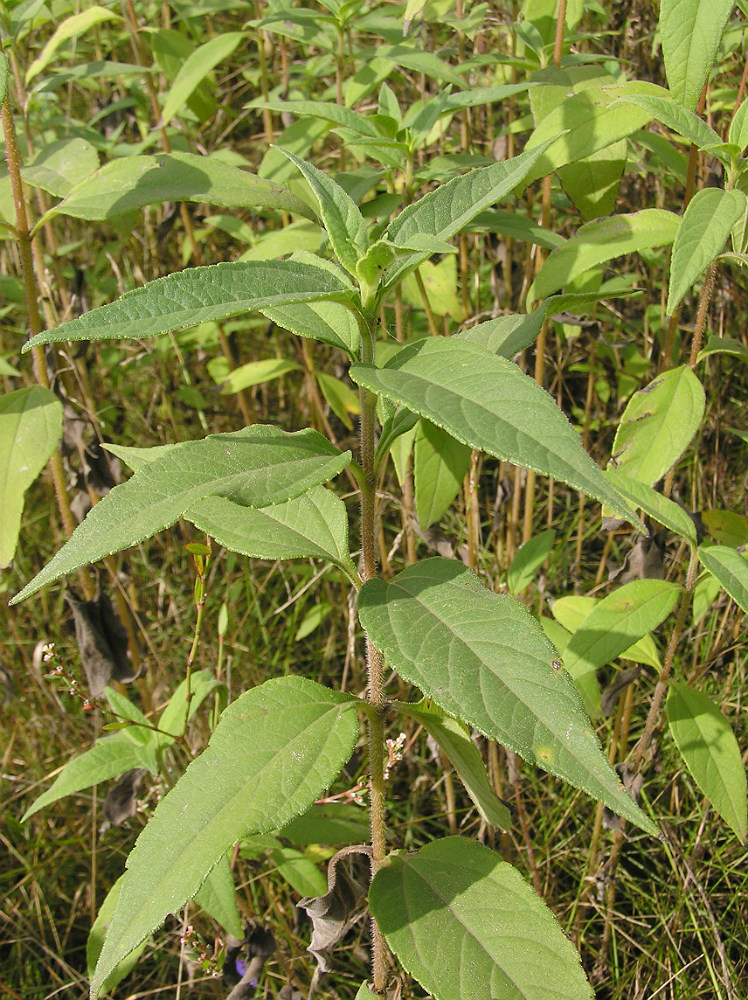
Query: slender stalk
{"x": 374, "y": 658}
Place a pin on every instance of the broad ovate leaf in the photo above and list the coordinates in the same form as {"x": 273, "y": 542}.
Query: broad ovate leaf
{"x": 274, "y": 751}
{"x": 253, "y": 467}
{"x": 704, "y": 229}
{"x": 199, "y": 295}
{"x": 485, "y": 660}
{"x": 30, "y": 427}
{"x": 488, "y": 403}
{"x": 712, "y": 755}
{"x": 657, "y": 425}
{"x": 467, "y": 926}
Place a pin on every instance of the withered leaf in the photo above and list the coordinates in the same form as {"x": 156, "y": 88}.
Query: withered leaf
{"x": 102, "y": 641}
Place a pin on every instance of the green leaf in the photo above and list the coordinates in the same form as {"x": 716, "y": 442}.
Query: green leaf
{"x": 593, "y": 182}
{"x": 723, "y": 345}
{"x": 528, "y": 560}
{"x": 704, "y": 229}
{"x": 449, "y": 208}
{"x": 56, "y": 168}
{"x": 662, "y": 107}
{"x": 71, "y": 27}
{"x": 364, "y": 992}
{"x": 454, "y": 739}
{"x": 506, "y": 335}
{"x": 613, "y": 625}
{"x": 30, "y": 427}
{"x": 712, "y": 755}
{"x": 299, "y": 871}
{"x": 274, "y": 751}
{"x": 730, "y": 568}
{"x": 109, "y": 758}
{"x": 130, "y": 182}
{"x": 571, "y": 611}
{"x": 486, "y": 402}
{"x": 467, "y": 926}
{"x": 335, "y": 114}
{"x": 739, "y": 126}
{"x": 331, "y": 823}
{"x": 254, "y": 467}
{"x": 312, "y": 621}
{"x": 217, "y": 896}
{"x": 344, "y": 402}
{"x": 658, "y": 424}
{"x": 96, "y": 941}
{"x": 313, "y": 525}
{"x": 690, "y": 31}
{"x": 343, "y": 221}
{"x": 589, "y": 122}
{"x": 484, "y": 659}
{"x": 326, "y": 321}
{"x": 195, "y": 68}
{"x": 439, "y": 466}
{"x": 255, "y": 373}
{"x": 667, "y": 512}
{"x": 198, "y": 295}
{"x": 183, "y": 704}
{"x": 601, "y": 241}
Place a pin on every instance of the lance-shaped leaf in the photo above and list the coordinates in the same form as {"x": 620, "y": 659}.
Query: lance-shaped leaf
{"x": 486, "y": 402}
{"x": 662, "y": 107}
{"x": 198, "y": 295}
{"x": 708, "y": 746}
{"x": 704, "y": 229}
{"x": 217, "y": 896}
{"x": 730, "y": 568}
{"x": 446, "y": 211}
{"x": 314, "y": 525}
{"x": 343, "y": 221}
{"x": 439, "y": 466}
{"x": 613, "y": 625}
{"x": 454, "y": 739}
{"x": 254, "y": 467}
{"x": 274, "y": 751}
{"x": 30, "y": 427}
{"x": 110, "y": 758}
{"x": 467, "y": 926}
{"x": 690, "y": 31}
{"x": 597, "y": 242}
{"x": 667, "y": 512}
{"x": 134, "y": 181}
{"x": 484, "y": 659}
{"x": 196, "y": 67}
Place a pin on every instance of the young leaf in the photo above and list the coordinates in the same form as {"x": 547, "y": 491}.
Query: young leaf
{"x": 730, "y": 568}
{"x": 30, "y": 427}
{"x": 528, "y": 560}
{"x": 467, "y": 926}
{"x": 183, "y": 704}
{"x": 597, "y": 242}
{"x": 704, "y": 229}
{"x": 196, "y": 67}
{"x": 667, "y": 512}
{"x": 690, "y": 31}
{"x": 109, "y": 758}
{"x": 484, "y": 659}
{"x": 454, "y": 739}
{"x": 439, "y": 466}
{"x": 274, "y": 751}
{"x": 254, "y": 467}
{"x": 71, "y": 27}
{"x": 313, "y": 525}
{"x": 614, "y": 624}
{"x": 448, "y": 209}
{"x": 486, "y": 402}
{"x": 217, "y": 896}
{"x": 657, "y": 425}
{"x": 708, "y": 746}
{"x": 130, "y": 182}
{"x": 255, "y": 373}
{"x": 343, "y": 221}
{"x": 198, "y": 295}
